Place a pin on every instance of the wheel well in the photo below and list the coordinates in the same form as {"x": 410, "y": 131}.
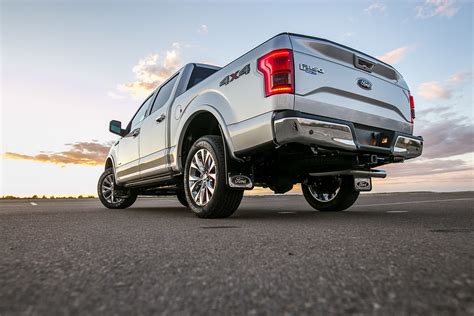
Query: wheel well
{"x": 109, "y": 164}
{"x": 202, "y": 124}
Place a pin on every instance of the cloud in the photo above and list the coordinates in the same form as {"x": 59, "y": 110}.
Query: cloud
{"x": 434, "y": 90}
{"x": 443, "y": 140}
{"x": 427, "y": 167}
{"x": 394, "y": 56}
{"x": 431, "y": 8}
{"x": 465, "y": 76}
{"x": 203, "y": 29}
{"x": 114, "y": 95}
{"x": 434, "y": 110}
{"x": 450, "y": 136}
{"x": 152, "y": 70}
{"x": 79, "y": 153}
{"x": 375, "y": 7}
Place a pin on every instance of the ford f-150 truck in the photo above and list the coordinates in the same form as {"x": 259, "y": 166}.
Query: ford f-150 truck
{"x": 295, "y": 109}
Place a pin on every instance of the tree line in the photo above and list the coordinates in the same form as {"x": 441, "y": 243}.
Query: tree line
{"x": 13, "y": 197}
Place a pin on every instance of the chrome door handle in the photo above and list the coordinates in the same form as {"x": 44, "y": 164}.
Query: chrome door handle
{"x": 136, "y": 132}
{"x": 160, "y": 118}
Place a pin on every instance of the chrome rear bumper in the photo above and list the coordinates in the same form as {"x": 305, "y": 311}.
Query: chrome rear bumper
{"x": 408, "y": 147}
{"x": 338, "y": 135}
{"x": 309, "y": 132}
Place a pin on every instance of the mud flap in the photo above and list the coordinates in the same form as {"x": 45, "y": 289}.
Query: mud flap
{"x": 239, "y": 173}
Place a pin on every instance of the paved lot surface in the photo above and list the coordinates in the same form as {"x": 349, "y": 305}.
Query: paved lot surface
{"x": 390, "y": 254}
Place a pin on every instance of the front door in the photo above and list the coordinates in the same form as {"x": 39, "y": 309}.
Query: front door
{"x": 128, "y": 152}
{"x": 153, "y": 139}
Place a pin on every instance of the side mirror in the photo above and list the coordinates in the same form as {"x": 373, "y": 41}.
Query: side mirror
{"x": 116, "y": 128}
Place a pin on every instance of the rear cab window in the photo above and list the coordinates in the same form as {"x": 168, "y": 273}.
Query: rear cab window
{"x": 199, "y": 74}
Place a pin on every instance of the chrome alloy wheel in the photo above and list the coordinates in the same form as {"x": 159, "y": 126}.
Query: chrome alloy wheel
{"x": 323, "y": 196}
{"x": 108, "y": 190}
{"x": 202, "y": 177}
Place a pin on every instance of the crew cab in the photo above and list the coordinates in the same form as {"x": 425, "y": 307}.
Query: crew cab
{"x": 295, "y": 109}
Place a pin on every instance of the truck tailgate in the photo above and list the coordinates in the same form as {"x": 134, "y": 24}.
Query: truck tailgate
{"x": 330, "y": 81}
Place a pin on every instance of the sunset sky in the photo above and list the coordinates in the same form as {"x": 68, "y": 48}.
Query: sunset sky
{"x": 68, "y": 68}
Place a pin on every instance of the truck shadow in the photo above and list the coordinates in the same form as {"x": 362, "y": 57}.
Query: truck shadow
{"x": 310, "y": 215}
{"x": 277, "y": 214}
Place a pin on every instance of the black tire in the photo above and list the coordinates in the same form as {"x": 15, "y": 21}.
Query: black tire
{"x": 181, "y": 196}
{"x": 345, "y": 197}
{"x": 224, "y": 200}
{"x": 119, "y": 203}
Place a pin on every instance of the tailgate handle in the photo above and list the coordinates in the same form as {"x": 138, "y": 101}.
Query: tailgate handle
{"x": 363, "y": 64}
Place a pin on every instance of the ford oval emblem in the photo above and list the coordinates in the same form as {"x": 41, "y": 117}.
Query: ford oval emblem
{"x": 364, "y": 84}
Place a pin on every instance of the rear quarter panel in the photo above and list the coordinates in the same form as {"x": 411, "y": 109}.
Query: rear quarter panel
{"x": 236, "y": 104}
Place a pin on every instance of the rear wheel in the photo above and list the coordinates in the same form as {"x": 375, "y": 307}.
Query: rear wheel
{"x": 330, "y": 194}
{"x": 205, "y": 185}
{"x": 111, "y": 195}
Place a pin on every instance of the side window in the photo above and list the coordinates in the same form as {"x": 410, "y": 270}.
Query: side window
{"x": 140, "y": 115}
{"x": 164, "y": 94}
{"x": 198, "y": 75}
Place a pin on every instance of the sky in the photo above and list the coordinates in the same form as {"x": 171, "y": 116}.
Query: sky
{"x": 68, "y": 68}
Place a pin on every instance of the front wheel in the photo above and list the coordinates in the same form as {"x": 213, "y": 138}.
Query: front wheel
{"x": 330, "y": 194}
{"x": 205, "y": 185}
{"x": 111, "y": 195}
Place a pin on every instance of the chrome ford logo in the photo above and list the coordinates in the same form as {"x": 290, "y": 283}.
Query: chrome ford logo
{"x": 364, "y": 84}
{"x": 240, "y": 181}
{"x": 363, "y": 184}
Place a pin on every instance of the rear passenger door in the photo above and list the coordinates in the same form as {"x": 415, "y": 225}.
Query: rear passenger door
{"x": 154, "y": 133}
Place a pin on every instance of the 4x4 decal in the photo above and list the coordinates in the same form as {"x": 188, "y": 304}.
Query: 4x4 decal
{"x": 234, "y": 76}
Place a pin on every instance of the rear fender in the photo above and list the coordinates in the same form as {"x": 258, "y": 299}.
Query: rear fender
{"x": 203, "y": 103}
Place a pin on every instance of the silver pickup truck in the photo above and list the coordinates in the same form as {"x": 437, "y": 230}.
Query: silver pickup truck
{"x": 295, "y": 109}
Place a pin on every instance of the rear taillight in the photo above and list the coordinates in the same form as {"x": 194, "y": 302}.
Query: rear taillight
{"x": 412, "y": 108}
{"x": 277, "y": 69}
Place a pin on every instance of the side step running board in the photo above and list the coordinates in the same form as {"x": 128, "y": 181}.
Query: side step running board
{"x": 356, "y": 173}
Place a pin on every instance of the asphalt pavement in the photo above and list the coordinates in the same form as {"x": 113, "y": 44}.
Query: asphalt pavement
{"x": 390, "y": 254}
